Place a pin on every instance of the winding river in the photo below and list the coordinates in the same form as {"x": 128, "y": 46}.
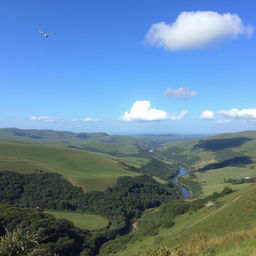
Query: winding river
{"x": 183, "y": 171}
{"x": 185, "y": 191}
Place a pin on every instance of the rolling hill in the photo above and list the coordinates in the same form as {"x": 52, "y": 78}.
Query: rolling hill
{"x": 82, "y": 168}
{"x": 215, "y": 159}
{"x": 96, "y": 142}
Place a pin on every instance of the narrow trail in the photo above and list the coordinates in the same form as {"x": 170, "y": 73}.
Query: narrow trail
{"x": 218, "y": 210}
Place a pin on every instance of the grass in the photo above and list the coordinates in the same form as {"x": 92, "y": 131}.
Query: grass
{"x": 129, "y": 160}
{"x": 234, "y": 244}
{"x": 235, "y": 213}
{"x": 82, "y": 168}
{"x": 213, "y": 180}
{"x": 81, "y": 220}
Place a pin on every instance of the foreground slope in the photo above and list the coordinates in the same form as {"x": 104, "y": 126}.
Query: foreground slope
{"x": 219, "y": 229}
{"x": 85, "y": 169}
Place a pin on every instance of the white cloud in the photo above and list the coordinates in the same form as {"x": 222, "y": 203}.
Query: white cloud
{"x": 180, "y": 93}
{"x": 44, "y": 118}
{"x": 245, "y": 114}
{"x": 207, "y": 115}
{"x": 86, "y": 119}
{"x": 142, "y": 111}
{"x": 197, "y": 29}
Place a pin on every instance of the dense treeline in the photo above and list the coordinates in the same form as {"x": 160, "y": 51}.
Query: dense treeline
{"x": 163, "y": 217}
{"x": 119, "y": 204}
{"x": 43, "y": 190}
{"x": 160, "y": 169}
{"x": 240, "y": 181}
{"x": 194, "y": 186}
{"x": 156, "y": 167}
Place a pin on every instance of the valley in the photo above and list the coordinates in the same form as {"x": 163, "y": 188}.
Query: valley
{"x": 109, "y": 193}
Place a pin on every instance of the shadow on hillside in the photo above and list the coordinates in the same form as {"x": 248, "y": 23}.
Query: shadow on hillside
{"x": 236, "y": 161}
{"x": 219, "y": 144}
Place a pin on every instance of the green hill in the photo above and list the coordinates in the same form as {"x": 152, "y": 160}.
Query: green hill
{"x": 216, "y": 158}
{"x": 82, "y": 168}
{"x": 96, "y": 142}
{"x": 220, "y": 229}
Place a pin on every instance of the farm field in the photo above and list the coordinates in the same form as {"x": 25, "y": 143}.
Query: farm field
{"x": 81, "y": 220}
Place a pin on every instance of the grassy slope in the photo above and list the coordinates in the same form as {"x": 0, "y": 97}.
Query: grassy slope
{"x": 82, "y": 168}
{"x": 81, "y": 220}
{"x": 198, "y": 156}
{"x": 200, "y": 153}
{"x": 98, "y": 142}
{"x": 236, "y": 212}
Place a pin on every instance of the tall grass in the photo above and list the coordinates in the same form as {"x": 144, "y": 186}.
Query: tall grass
{"x": 21, "y": 242}
{"x": 242, "y": 243}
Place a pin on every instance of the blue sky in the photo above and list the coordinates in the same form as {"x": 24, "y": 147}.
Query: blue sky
{"x": 101, "y": 62}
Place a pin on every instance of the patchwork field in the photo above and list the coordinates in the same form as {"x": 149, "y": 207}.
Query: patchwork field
{"x": 82, "y": 168}
{"x": 81, "y": 220}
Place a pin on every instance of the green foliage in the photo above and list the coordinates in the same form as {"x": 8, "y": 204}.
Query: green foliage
{"x": 42, "y": 190}
{"x": 240, "y": 181}
{"x": 55, "y": 236}
{"x": 160, "y": 169}
{"x": 194, "y": 186}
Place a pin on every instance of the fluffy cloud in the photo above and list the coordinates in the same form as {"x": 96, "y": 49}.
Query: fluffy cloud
{"x": 180, "y": 93}
{"x": 44, "y": 118}
{"x": 246, "y": 114}
{"x": 197, "y": 29}
{"x": 86, "y": 119}
{"x": 207, "y": 115}
{"x": 142, "y": 111}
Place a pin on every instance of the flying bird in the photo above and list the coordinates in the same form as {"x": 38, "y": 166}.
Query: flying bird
{"x": 45, "y": 35}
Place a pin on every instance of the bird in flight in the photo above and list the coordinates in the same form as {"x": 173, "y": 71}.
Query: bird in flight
{"x": 45, "y": 35}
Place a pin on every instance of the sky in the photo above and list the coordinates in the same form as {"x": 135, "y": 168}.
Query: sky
{"x": 128, "y": 67}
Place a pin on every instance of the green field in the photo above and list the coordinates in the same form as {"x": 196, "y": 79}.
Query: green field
{"x": 213, "y": 180}
{"x": 82, "y": 168}
{"x": 81, "y": 220}
{"x": 234, "y": 213}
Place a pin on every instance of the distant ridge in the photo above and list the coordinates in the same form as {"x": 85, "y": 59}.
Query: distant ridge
{"x": 96, "y": 141}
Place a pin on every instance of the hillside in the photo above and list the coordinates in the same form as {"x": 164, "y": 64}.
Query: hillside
{"x": 83, "y": 168}
{"x": 215, "y": 159}
{"x": 96, "y": 142}
{"x": 219, "y": 229}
